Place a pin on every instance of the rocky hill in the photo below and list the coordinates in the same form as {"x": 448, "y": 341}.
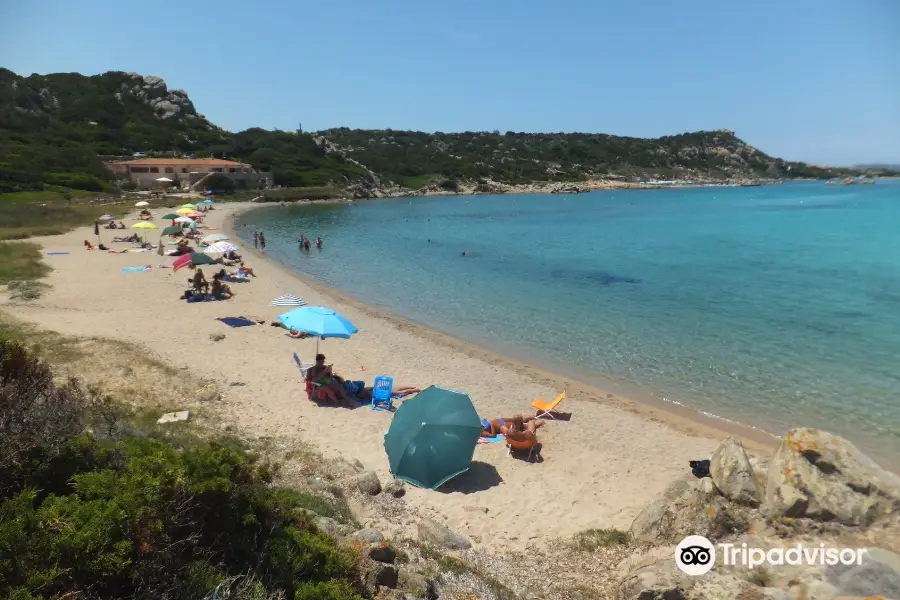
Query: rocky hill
{"x": 55, "y": 128}
{"x": 408, "y": 156}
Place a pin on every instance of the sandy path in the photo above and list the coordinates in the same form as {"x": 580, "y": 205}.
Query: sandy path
{"x": 599, "y": 469}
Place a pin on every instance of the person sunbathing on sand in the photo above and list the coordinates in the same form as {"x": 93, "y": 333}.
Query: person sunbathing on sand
{"x": 510, "y": 425}
{"x": 521, "y": 429}
{"x": 220, "y": 289}
{"x": 323, "y": 376}
{"x": 365, "y": 393}
{"x": 243, "y": 270}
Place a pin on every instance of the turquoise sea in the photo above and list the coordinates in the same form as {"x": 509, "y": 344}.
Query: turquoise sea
{"x": 771, "y": 306}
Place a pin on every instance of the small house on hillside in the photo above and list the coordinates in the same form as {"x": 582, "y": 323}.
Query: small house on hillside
{"x": 188, "y": 172}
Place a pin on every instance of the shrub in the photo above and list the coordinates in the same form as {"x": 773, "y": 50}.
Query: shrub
{"x": 26, "y": 289}
{"x": 451, "y": 185}
{"x": 38, "y": 416}
{"x": 137, "y": 518}
{"x": 592, "y": 539}
{"x": 217, "y": 182}
{"x": 78, "y": 181}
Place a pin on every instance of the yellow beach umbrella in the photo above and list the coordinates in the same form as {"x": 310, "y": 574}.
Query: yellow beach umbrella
{"x": 144, "y": 225}
{"x": 188, "y": 205}
{"x": 185, "y": 211}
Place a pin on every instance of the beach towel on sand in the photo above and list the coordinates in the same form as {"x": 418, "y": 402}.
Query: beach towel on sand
{"x": 491, "y": 440}
{"x": 56, "y": 253}
{"x": 135, "y": 269}
{"x": 236, "y": 321}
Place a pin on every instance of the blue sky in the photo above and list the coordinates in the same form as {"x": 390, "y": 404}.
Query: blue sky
{"x": 807, "y": 80}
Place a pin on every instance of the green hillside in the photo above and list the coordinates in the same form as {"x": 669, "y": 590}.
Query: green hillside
{"x": 56, "y": 130}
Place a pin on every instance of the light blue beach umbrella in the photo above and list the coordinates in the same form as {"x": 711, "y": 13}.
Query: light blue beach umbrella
{"x": 318, "y": 321}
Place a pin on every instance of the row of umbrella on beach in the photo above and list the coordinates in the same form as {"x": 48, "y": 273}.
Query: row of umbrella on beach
{"x": 207, "y": 202}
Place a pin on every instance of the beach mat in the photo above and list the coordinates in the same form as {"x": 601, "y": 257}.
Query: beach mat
{"x": 236, "y": 321}
{"x": 56, "y": 253}
{"x": 204, "y": 298}
{"x": 135, "y": 269}
{"x": 492, "y": 440}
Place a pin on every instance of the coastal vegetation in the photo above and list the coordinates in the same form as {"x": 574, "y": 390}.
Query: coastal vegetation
{"x": 94, "y": 508}
{"x": 57, "y": 130}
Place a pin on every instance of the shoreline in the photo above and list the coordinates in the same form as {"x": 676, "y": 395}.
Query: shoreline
{"x": 604, "y": 459}
{"x": 684, "y": 418}
{"x": 494, "y": 188}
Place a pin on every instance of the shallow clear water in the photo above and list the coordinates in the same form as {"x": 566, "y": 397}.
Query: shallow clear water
{"x": 773, "y": 306}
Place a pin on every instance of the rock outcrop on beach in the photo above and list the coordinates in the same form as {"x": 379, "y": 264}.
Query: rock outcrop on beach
{"x": 733, "y": 474}
{"x": 818, "y": 489}
{"x": 689, "y": 507}
{"x": 820, "y": 476}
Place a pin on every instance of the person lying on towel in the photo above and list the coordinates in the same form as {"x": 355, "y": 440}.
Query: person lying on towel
{"x": 398, "y": 391}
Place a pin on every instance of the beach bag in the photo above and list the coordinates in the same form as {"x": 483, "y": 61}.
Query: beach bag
{"x": 700, "y": 468}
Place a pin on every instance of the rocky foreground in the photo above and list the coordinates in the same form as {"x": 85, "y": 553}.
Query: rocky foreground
{"x": 818, "y": 490}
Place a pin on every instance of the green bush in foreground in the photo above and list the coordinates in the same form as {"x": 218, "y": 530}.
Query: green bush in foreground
{"x": 138, "y": 518}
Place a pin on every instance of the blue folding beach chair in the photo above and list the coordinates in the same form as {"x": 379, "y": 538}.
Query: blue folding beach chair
{"x": 381, "y": 393}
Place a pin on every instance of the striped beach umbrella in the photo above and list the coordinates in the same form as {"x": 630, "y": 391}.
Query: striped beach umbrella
{"x": 288, "y": 300}
{"x": 221, "y": 247}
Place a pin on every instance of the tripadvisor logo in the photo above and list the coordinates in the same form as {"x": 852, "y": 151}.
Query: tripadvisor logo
{"x": 696, "y": 555}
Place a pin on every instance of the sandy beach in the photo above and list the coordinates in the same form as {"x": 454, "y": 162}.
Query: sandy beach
{"x": 600, "y": 467}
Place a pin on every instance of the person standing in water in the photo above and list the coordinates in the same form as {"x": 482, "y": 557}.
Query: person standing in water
{"x": 306, "y": 244}
{"x": 255, "y": 239}
{"x": 262, "y": 241}
{"x": 319, "y": 243}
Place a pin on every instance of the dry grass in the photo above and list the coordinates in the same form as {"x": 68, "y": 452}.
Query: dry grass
{"x": 591, "y": 540}
{"x": 26, "y": 289}
{"x": 144, "y": 385}
{"x": 21, "y": 261}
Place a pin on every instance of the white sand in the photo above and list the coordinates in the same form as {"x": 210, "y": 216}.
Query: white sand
{"x": 600, "y": 467}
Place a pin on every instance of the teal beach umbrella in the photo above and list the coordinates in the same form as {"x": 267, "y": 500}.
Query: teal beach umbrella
{"x": 432, "y": 437}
